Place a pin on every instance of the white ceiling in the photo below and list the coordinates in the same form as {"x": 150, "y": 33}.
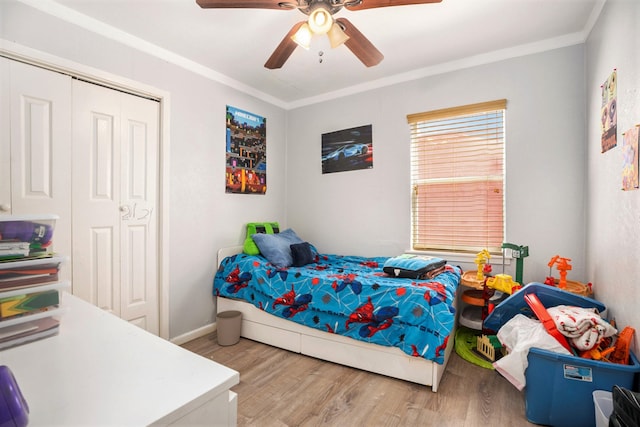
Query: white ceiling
{"x": 232, "y": 45}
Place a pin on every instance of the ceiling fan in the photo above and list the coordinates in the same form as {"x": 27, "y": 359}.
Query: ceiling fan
{"x": 320, "y": 21}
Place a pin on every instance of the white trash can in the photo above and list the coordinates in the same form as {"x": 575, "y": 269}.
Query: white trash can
{"x": 603, "y": 407}
{"x": 229, "y": 324}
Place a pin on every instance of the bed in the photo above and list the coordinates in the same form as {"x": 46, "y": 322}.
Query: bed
{"x": 346, "y": 310}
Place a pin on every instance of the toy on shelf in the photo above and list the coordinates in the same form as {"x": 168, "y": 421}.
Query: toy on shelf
{"x": 562, "y": 265}
{"x": 518, "y": 252}
{"x": 501, "y": 282}
{"x": 472, "y": 342}
{"x": 504, "y": 282}
{"x": 482, "y": 260}
{"x": 475, "y": 279}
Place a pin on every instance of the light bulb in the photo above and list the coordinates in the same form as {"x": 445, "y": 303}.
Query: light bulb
{"x": 303, "y": 36}
{"x": 336, "y": 36}
{"x": 320, "y": 21}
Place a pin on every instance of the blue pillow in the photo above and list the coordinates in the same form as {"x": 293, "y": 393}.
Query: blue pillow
{"x": 276, "y": 248}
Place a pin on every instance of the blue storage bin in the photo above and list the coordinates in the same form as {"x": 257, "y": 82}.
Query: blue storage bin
{"x": 560, "y": 387}
{"x": 559, "y": 390}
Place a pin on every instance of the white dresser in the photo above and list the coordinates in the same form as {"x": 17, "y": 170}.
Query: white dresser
{"x": 101, "y": 370}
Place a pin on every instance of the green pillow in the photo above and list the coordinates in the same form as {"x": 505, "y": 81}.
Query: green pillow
{"x": 250, "y": 247}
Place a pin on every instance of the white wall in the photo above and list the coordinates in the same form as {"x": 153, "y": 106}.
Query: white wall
{"x": 202, "y": 217}
{"x": 368, "y": 211}
{"x": 613, "y": 220}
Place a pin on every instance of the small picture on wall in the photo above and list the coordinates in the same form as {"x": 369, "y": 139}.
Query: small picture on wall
{"x": 246, "y": 159}
{"x": 347, "y": 149}
{"x": 630, "y": 159}
{"x": 609, "y": 112}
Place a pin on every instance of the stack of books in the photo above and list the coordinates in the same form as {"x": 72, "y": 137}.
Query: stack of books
{"x": 10, "y": 249}
{"x": 29, "y": 281}
{"x": 18, "y": 275}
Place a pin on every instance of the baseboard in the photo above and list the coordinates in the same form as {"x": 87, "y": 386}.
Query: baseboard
{"x": 192, "y": 335}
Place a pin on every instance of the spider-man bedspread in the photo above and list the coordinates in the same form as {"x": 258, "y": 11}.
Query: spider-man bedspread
{"x": 351, "y": 296}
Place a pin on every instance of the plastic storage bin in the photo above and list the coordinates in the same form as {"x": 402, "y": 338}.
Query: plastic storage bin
{"x": 560, "y": 387}
{"x": 33, "y": 318}
{"x": 24, "y": 236}
{"x": 229, "y": 326}
{"x": 603, "y": 403}
{"x": 559, "y": 390}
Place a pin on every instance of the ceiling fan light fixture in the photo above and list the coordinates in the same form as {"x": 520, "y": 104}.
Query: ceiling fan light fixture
{"x": 320, "y": 21}
{"x": 336, "y": 36}
{"x": 303, "y": 36}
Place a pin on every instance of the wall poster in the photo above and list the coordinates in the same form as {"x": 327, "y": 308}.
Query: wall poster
{"x": 347, "y": 149}
{"x": 630, "y": 159}
{"x": 609, "y": 112}
{"x": 246, "y": 159}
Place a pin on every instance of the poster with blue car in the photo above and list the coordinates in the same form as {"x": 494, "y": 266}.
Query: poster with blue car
{"x": 347, "y": 149}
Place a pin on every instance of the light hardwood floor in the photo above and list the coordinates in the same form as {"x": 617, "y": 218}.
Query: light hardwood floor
{"x": 281, "y": 388}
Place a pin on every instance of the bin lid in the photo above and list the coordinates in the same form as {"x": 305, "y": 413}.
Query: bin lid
{"x": 550, "y": 296}
{"x": 29, "y": 217}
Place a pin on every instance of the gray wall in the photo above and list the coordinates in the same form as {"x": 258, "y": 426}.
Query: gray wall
{"x": 368, "y": 211}
{"x": 613, "y": 220}
{"x": 563, "y": 195}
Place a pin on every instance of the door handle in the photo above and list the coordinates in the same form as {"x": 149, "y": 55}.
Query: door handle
{"x": 5, "y": 207}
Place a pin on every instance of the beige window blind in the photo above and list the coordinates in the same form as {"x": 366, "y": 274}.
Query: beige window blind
{"x": 457, "y": 178}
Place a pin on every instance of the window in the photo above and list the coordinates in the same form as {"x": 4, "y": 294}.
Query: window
{"x": 457, "y": 178}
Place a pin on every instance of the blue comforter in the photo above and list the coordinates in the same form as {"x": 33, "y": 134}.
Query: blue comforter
{"x": 350, "y": 296}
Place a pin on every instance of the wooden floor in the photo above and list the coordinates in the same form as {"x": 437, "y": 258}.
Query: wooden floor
{"x": 280, "y": 388}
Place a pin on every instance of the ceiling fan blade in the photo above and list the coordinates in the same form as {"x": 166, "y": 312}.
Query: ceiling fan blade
{"x": 370, "y": 4}
{"x": 246, "y": 4}
{"x": 360, "y": 45}
{"x": 284, "y": 49}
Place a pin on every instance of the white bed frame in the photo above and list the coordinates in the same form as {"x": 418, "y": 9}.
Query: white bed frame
{"x": 263, "y": 327}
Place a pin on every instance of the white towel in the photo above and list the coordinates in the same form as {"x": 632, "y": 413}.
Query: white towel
{"x": 583, "y": 326}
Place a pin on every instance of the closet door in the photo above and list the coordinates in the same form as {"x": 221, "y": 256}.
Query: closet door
{"x": 115, "y": 158}
{"x": 35, "y": 146}
{"x": 139, "y": 171}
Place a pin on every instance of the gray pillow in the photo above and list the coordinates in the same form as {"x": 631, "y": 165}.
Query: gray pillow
{"x": 276, "y": 248}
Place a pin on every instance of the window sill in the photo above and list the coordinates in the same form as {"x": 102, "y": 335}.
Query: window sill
{"x": 465, "y": 258}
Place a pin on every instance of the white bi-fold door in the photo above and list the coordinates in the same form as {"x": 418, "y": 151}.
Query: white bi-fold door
{"x": 114, "y": 202}
{"x": 89, "y": 154}
{"x": 35, "y": 147}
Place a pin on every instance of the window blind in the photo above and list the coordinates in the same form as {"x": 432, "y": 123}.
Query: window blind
{"x": 457, "y": 178}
